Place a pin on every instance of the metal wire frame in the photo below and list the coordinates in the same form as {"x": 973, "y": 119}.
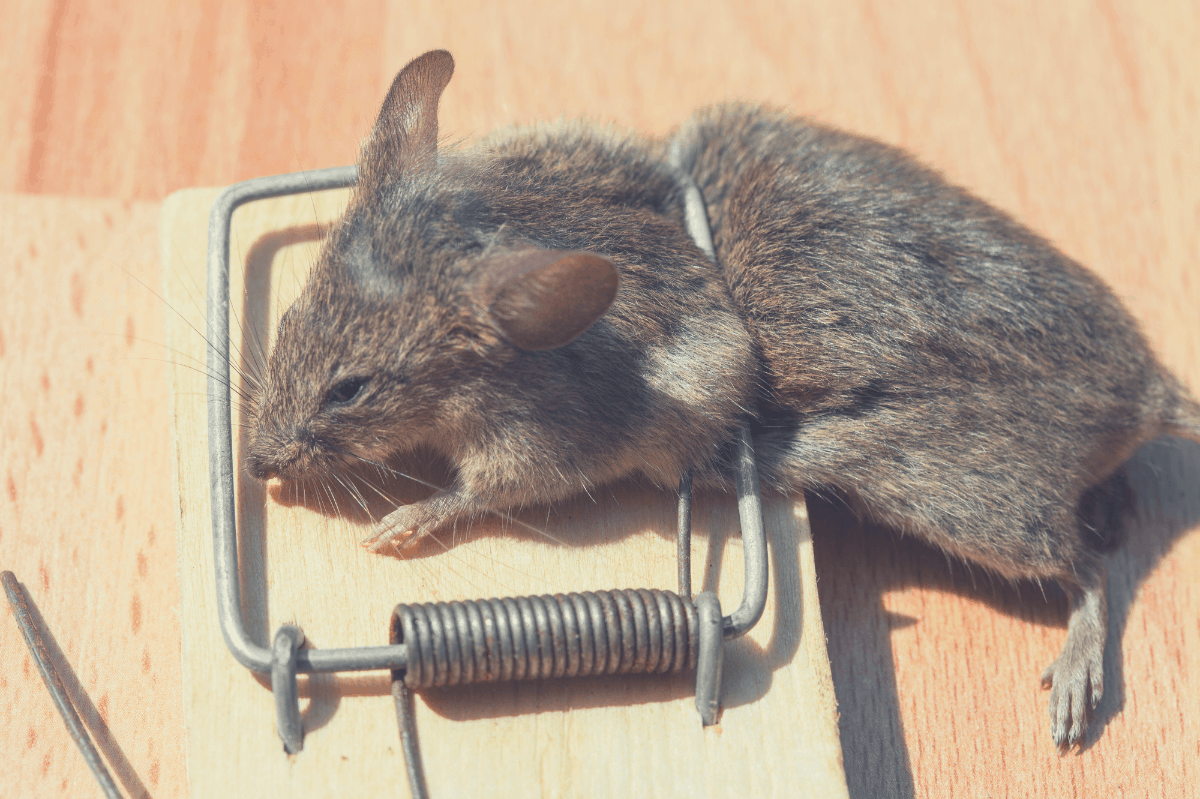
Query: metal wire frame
{"x": 285, "y": 659}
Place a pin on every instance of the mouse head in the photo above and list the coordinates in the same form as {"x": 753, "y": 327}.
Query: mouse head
{"x": 418, "y": 297}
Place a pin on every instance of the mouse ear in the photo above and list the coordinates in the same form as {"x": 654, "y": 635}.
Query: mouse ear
{"x": 405, "y": 134}
{"x": 543, "y": 299}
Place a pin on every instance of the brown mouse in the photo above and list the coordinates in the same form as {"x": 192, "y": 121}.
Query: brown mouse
{"x": 532, "y": 307}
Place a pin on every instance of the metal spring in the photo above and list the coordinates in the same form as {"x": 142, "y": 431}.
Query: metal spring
{"x": 640, "y": 630}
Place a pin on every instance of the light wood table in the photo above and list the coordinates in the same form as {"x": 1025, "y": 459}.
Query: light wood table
{"x": 1079, "y": 117}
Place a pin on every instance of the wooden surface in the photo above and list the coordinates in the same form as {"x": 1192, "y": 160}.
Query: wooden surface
{"x": 86, "y": 519}
{"x": 622, "y": 736}
{"x": 1079, "y": 117}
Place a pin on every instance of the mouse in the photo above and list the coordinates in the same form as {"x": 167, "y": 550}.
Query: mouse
{"x": 532, "y": 307}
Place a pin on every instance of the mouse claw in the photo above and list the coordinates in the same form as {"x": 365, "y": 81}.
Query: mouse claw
{"x": 1076, "y": 685}
{"x": 401, "y": 528}
{"x": 385, "y": 534}
{"x": 408, "y": 524}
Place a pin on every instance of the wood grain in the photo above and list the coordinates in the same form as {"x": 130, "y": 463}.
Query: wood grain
{"x": 85, "y": 513}
{"x": 1078, "y": 116}
{"x": 121, "y": 98}
{"x": 630, "y": 735}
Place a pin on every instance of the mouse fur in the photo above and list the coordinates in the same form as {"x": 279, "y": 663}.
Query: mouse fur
{"x": 889, "y": 336}
{"x": 401, "y": 295}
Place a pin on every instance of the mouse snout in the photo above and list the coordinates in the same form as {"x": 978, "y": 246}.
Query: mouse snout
{"x": 260, "y": 469}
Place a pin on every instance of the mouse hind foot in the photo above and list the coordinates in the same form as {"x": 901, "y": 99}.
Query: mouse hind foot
{"x": 1076, "y": 677}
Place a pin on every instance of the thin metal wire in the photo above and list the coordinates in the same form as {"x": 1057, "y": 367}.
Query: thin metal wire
{"x": 683, "y": 542}
{"x": 695, "y": 213}
{"x": 220, "y": 434}
{"x": 711, "y": 657}
{"x": 754, "y": 540}
{"x": 681, "y": 158}
{"x": 402, "y": 698}
{"x": 18, "y": 600}
{"x": 283, "y": 685}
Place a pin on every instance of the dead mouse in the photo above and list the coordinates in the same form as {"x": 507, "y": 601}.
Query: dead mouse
{"x": 533, "y": 307}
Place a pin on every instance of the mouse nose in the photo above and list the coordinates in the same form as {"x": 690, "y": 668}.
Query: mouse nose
{"x": 260, "y": 469}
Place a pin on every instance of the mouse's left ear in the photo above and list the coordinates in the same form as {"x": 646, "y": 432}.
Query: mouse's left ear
{"x": 543, "y": 299}
{"x": 405, "y": 134}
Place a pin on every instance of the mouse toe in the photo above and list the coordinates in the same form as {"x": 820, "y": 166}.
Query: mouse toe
{"x": 401, "y": 528}
{"x": 1076, "y": 682}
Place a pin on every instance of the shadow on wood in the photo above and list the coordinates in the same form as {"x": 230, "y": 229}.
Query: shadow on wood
{"x": 865, "y": 563}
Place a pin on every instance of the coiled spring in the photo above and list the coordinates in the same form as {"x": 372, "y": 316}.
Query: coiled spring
{"x": 640, "y": 630}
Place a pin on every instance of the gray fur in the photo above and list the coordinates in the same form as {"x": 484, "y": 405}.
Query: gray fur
{"x": 891, "y": 337}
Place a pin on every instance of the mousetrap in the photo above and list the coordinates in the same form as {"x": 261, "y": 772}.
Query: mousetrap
{"x": 261, "y": 564}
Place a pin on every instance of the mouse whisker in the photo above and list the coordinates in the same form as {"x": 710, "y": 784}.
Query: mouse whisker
{"x": 532, "y": 528}
{"x": 375, "y": 488}
{"x": 351, "y": 489}
{"x": 390, "y": 472}
{"x": 459, "y": 574}
{"x": 242, "y": 395}
{"x": 197, "y": 330}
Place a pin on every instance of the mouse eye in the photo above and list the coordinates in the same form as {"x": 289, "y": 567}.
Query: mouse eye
{"x": 346, "y": 391}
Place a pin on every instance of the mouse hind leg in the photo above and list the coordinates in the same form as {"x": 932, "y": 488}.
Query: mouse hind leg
{"x": 1076, "y": 677}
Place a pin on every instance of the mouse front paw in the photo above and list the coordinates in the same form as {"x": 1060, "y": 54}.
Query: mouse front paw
{"x": 408, "y": 524}
{"x": 1076, "y": 682}
{"x": 397, "y": 529}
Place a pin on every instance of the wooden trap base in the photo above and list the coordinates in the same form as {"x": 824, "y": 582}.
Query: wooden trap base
{"x": 301, "y": 563}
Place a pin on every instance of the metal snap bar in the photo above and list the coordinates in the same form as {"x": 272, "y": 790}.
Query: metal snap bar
{"x": 648, "y": 630}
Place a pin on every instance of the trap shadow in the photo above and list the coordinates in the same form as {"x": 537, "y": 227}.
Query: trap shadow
{"x": 321, "y": 695}
{"x": 859, "y": 563}
{"x": 323, "y": 692}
